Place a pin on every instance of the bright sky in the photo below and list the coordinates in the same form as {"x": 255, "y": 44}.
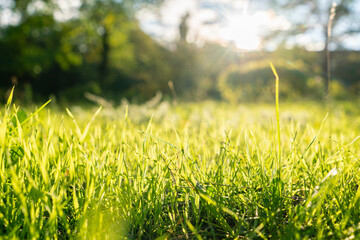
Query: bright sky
{"x": 224, "y": 21}
{"x": 66, "y": 9}
{"x": 240, "y": 22}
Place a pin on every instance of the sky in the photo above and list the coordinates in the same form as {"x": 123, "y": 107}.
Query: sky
{"x": 223, "y": 21}
{"x": 66, "y": 9}
{"x": 238, "y": 22}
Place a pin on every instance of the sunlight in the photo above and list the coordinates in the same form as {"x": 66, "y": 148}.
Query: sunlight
{"x": 243, "y": 31}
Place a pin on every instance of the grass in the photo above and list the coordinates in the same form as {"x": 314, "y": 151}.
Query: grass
{"x": 277, "y": 118}
{"x": 195, "y": 171}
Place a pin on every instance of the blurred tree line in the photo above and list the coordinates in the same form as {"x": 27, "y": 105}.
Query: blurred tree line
{"x": 103, "y": 51}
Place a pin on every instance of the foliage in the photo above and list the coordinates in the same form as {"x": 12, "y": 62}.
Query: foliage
{"x": 345, "y": 71}
{"x": 97, "y": 51}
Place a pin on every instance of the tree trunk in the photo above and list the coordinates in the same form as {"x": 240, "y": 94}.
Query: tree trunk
{"x": 324, "y": 69}
{"x": 326, "y": 64}
{"x": 103, "y": 67}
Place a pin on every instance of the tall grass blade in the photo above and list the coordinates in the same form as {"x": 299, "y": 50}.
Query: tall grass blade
{"x": 193, "y": 230}
{"x": 86, "y": 130}
{"x": 277, "y": 116}
{"x": 10, "y": 97}
{"x": 32, "y": 115}
{"x": 78, "y": 131}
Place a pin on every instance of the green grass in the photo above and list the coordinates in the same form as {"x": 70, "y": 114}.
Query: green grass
{"x": 196, "y": 171}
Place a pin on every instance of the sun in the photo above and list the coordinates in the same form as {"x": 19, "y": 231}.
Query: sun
{"x": 243, "y": 30}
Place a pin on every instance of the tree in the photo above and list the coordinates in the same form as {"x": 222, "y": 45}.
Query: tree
{"x": 93, "y": 51}
{"x": 313, "y": 16}
{"x": 35, "y": 46}
{"x": 124, "y": 55}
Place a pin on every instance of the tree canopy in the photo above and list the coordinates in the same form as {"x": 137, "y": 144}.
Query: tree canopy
{"x": 52, "y": 49}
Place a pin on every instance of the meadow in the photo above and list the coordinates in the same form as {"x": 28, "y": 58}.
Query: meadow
{"x": 193, "y": 171}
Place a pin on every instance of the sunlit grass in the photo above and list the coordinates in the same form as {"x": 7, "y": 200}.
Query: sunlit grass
{"x": 203, "y": 170}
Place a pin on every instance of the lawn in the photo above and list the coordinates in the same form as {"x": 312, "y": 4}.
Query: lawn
{"x": 193, "y": 171}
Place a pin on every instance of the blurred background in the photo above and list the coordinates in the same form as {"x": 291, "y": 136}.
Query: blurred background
{"x": 74, "y": 50}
